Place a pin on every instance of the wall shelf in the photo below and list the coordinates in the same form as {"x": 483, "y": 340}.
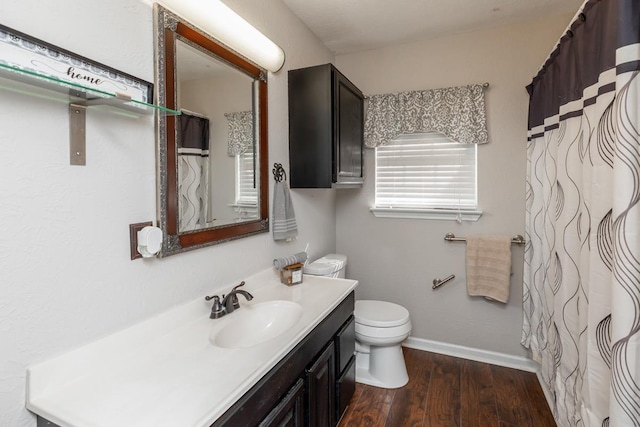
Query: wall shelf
{"x": 79, "y": 98}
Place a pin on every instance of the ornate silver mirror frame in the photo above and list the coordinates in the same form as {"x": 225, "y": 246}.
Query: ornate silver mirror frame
{"x": 168, "y": 29}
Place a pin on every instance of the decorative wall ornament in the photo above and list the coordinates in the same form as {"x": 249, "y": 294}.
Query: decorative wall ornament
{"x": 456, "y": 112}
{"x": 241, "y": 137}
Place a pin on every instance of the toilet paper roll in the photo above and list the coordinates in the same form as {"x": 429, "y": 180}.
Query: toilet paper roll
{"x": 280, "y": 263}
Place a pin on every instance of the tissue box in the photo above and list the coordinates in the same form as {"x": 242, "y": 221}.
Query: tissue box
{"x": 291, "y": 274}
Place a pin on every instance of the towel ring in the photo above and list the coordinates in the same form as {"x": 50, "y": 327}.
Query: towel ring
{"x": 278, "y": 172}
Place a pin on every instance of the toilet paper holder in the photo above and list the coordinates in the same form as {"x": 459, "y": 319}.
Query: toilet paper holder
{"x": 438, "y": 282}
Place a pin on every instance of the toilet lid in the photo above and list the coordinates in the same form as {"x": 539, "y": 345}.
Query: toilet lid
{"x": 381, "y": 314}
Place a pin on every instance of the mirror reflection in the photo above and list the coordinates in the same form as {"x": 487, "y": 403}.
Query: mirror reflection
{"x": 217, "y": 183}
{"x": 212, "y": 159}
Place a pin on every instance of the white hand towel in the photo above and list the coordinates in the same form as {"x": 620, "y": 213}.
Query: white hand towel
{"x": 284, "y": 218}
{"x": 489, "y": 266}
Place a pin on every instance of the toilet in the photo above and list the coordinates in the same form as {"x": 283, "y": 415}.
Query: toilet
{"x": 380, "y": 326}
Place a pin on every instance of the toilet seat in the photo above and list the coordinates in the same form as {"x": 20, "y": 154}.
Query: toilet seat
{"x": 364, "y": 331}
{"x": 380, "y": 314}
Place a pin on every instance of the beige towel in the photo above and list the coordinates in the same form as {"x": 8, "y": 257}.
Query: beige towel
{"x": 489, "y": 266}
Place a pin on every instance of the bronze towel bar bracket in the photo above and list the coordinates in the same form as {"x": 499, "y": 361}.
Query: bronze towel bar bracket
{"x": 450, "y": 237}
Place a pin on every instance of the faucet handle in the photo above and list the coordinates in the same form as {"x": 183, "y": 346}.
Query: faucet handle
{"x": 217, "y": 310}
{"x": 234, "y": 297}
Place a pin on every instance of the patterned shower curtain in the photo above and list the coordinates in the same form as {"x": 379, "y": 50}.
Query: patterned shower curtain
{"x": 582, "y": 259}
{"x": 193, "y": 172}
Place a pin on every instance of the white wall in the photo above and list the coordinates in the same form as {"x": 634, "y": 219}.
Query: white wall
{"x": 65, "y": 274}
{"x": 397, "y": 259}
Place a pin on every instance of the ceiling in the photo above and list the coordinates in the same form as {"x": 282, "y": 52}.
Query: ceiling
{"x": 348, "y": 26}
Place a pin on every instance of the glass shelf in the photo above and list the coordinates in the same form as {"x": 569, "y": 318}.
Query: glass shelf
{"x": 78, "y": 98}
{"x": 38, "y": 85}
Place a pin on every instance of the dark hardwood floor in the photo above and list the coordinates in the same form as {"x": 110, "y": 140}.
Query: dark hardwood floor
{"x": 446, "y": 391}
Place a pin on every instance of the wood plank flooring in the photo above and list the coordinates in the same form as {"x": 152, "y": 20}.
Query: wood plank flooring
{"x": 445, "y": 391}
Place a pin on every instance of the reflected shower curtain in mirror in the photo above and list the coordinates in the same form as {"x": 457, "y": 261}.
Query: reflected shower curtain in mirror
{"x": 193, "y": 171}
{"x": 582, "y": 260}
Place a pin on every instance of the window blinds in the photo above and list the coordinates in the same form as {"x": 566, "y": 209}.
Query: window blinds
{"x": 426, "y": 170}
{"x": 246, "y": 192}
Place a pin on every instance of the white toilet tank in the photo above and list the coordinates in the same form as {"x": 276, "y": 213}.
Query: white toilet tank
{"x": 331, "y": 265}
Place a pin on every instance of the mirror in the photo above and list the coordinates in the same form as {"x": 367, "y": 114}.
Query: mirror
{"x": 212, "y": 183}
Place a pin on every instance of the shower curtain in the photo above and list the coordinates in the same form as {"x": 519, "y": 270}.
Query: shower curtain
{"x": 582, "y": 260}
{"x": 193, "y": 168}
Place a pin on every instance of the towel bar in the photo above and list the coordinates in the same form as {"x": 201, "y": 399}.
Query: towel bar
{"x": 450, "y": 237}
{"x": 437, "y": 282}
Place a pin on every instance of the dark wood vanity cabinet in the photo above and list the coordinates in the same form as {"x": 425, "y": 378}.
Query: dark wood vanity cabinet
{"x": 326, "y": 129}
{"x": 311, "y": 386}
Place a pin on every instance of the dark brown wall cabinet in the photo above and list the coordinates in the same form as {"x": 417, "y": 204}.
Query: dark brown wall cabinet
{"x": 311, "y": 386}
{"x": 326, "y": 129}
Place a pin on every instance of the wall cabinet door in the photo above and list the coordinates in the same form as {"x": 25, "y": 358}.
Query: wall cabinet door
{"x": 326, "y": 129}
{"x": 290, "y": 410}
{"x": 349, "y": 132}
{"x": 321, "y": 389}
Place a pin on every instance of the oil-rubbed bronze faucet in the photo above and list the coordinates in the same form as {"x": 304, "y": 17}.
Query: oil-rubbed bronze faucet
{"x": 229, "y": 302}
{"x": 234, "y": 297}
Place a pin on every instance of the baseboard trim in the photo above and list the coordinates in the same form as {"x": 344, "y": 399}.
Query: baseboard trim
{"x": 478, "y": 355}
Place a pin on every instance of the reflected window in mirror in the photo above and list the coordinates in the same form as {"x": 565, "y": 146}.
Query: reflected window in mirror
{"x": 212, "y": 158}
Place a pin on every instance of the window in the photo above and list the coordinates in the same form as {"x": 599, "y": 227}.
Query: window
{"x": 246, "y": 191}
{"x": 245, "y": 186}
{"x": 426, "y": 175}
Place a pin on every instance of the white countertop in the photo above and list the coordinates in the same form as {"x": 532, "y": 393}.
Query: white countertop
{"x": 166, "y": 371}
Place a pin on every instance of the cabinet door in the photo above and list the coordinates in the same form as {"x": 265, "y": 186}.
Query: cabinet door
{"x": 311, "y": 127}
{"x": 290, "y": 410}
{"x": 345, "y": 388}
{"x": 345, "y": 344}
{"x": 321, "y": 391}
{"x": 349, "y": 132}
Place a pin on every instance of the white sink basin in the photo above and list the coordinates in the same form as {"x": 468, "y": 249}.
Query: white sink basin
{"x": 254, "y": 324}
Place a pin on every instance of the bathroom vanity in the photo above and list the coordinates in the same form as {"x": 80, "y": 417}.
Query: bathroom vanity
{"x": 182, "y": 368}
{"x": 311, "y": 385}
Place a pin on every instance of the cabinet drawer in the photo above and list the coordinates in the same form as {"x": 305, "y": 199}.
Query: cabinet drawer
{"x": 345, "y": 344}
{"x": 345, "y": 387}
{"x": 290, "y": 410}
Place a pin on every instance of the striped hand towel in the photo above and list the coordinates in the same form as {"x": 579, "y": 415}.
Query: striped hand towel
{"x": 489, "y": 266}
{"x": 281, "y": 263}
{"x": 284, "y": 218}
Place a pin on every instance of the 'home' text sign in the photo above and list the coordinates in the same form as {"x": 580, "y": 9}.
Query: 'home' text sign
{"x": 39, "y": 58}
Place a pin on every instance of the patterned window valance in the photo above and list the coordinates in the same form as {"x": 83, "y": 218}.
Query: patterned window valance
{"x": 456, "y": 112}
{"x": 240, "y": 132}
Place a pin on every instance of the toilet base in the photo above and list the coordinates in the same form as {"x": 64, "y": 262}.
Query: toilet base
{"x": 382, "y": 367}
